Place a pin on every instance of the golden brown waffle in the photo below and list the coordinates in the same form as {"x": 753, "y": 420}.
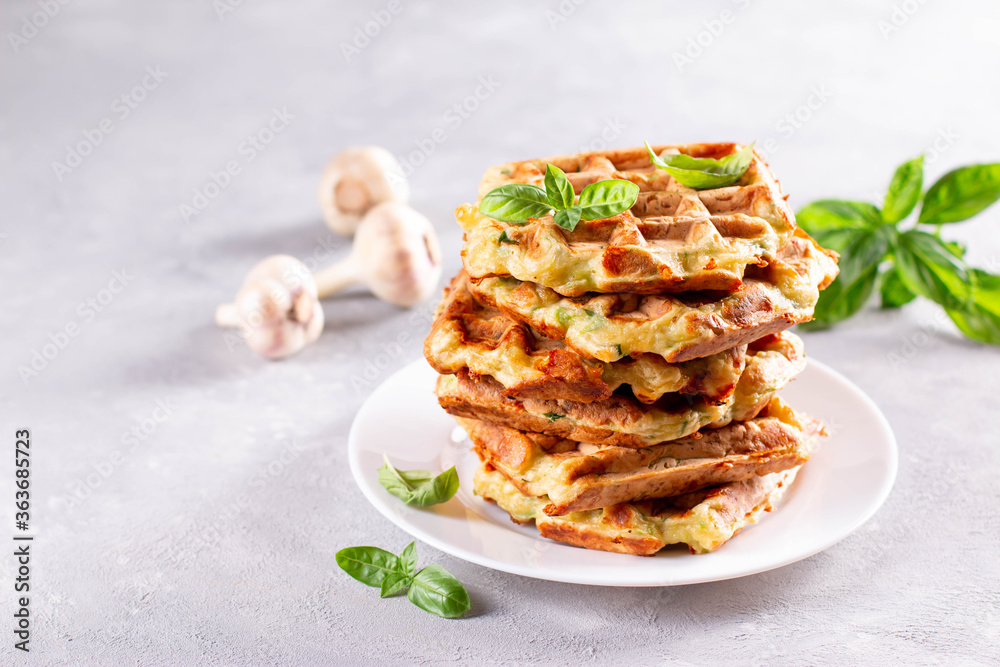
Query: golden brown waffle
{"x": 621, "y": 420}
{"x": 674, "y": 239}
{"x": 703, "y": 520}
{"x": 484, "y": 341}
{"x": 677, "y": 327}
{"x": 579, "y": 476}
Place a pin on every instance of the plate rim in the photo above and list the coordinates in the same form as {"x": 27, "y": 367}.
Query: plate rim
{"x": 419, "y": 533}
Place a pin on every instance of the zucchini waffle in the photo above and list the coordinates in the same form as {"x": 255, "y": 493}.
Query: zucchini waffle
{"x": 674, "y": 239}
{"x": 677, "y": 327}
{"x": 621, "y": 420}
{"x": 468, "y": 336}
{"x": 578, "y": 476}
{"x": 703, "y": 520}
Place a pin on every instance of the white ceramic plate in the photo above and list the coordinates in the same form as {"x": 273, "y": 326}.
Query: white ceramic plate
{"x": 841, "y": 487}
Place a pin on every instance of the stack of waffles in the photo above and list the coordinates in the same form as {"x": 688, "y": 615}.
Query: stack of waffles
{"x": 619, "y": 381}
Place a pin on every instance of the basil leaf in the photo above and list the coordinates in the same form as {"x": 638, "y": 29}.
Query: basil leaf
{"x": 980, "y": 321}
{"x": 432, "y": 589}
{"x": 956, "y": 248}
{"x": 505, "y": 239}
{"x": 895, "y": 293}
{"x": 558, "y": 189}
{"x": 438, "y": 490}
{"x": 904, "y": 191}
{"x": 701, "y": 172}
{"x": 861, "y": 251}
{"x": 418, "y": 487}
{"x": 408, "y": 558}
{"x": 569, "y": 218}
{"x": 929, "y": 268}
{"x": 435, "y": 590}
{"x": 398, "y": 485}
{"x": 369, "y": 565}
{"x": 829, "y": 214}
{"x": 605, "y": 199}
{"x": 515, "y": 202}
{"x": 961, "y": 194}
{"x": 841, "y": 300}
{"x": 978, "y": 325}
{"x": 393, "y": 584}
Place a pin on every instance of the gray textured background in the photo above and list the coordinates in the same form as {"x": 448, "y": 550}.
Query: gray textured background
{"x": 211, "y": 540}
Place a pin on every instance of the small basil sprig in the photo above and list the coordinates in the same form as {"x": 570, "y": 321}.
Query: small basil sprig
{"x": 432, "y": 589}
{"x": 905, "y": 261}
{"x": 418, "y": 487}
{"x": 518, "y": 202}
{"x": 703, "y": 173}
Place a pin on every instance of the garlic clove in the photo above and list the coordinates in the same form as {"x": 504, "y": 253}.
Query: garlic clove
{"x": 304, "y": 307}
{"x": 263, "y": 302}
{"x": 356, "y": 180}
{"x": 314, "y": 326}
{"x": 278, "y": 340}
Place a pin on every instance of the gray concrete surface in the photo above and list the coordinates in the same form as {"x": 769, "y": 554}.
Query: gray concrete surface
{"x": 189, "y": 496}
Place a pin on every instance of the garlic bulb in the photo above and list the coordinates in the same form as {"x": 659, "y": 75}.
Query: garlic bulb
{"x": 277, "y": 309}
{"x": 357, "y": 180}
